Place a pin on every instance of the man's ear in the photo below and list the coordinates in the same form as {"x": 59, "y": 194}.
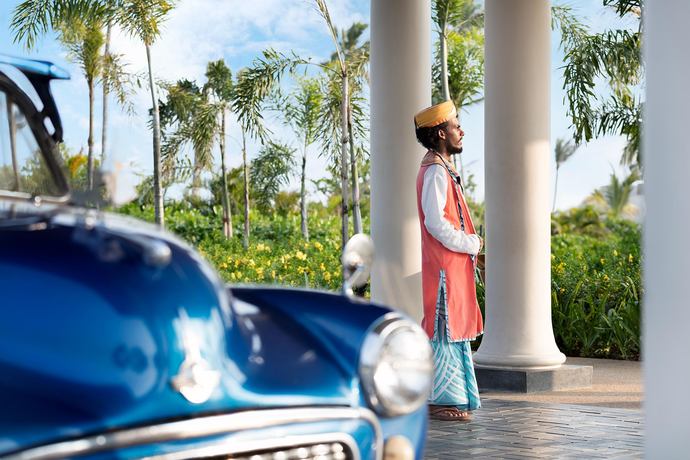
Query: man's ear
{"x": 442, "y": 134}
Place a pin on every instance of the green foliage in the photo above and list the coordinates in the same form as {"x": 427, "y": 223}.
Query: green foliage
{"x": 465, "y": 68}
{"x": 596, "y": 289}
{"x": 255, "y": 84}
{"x": 458, "y": 68}
{"x": 614, "y": 56}
{"x": 278, "y": 254}
{"x": 596, "y": 282}
{"x": 270, "y": 171}
{"x": 617, "y": 193}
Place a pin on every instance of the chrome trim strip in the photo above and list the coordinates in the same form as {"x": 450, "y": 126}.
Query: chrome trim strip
{"x": 199, "y": 427}
{"x": 243, "y": 447}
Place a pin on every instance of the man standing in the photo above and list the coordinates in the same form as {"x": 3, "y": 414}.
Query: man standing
{"x": 449, "y": 252}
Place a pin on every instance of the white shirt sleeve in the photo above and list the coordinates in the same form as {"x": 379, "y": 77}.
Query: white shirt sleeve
{"x": 434, "y": 191}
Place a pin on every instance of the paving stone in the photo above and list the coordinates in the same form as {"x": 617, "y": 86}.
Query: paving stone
{"x": 521, "y": 430}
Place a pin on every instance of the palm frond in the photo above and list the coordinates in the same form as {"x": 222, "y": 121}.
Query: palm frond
{"x": 33, "y": 18}
{"x": 255, "y": 84}
{"x": 322, "y": 8}
{"x": 564, "y": 150}
{"x": 142, "y": 19}
{"x": 270, "y": 171}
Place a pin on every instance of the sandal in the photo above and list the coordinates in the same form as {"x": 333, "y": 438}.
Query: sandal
{"x": 449, "y": 413}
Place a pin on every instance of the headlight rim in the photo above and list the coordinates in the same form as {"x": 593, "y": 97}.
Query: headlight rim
{"x": 370, "y": 356}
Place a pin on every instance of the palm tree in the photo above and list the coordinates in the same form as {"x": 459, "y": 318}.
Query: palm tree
{"x": 617, "y": 193}
{"x": 457, "y": 16}
{"x": 78, "y": 24}
{"x": 188, "y": 118}
{"x": 220, "y": 86}
{"x": 262, "y": 78}
{"x": 356, "y": 59}
{"x": 344, "y": 111}
{"x": 459, "y": 65}
{"x": 84, "y": 39}
{"x": 270, "y": 170}
{"x": 142, "y": 19}
{"x": 107, "y": 59}
{"x": 612, "y": 56}
{"x": 252, "y": 86}
{"x": 563, "y": 150}
{"x": 302, "y": 111}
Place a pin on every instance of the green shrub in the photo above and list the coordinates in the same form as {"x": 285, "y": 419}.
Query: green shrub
{"x": 595, "y": 266}
{"x": 595, "y": 286}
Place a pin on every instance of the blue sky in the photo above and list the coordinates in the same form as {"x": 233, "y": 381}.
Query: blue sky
{"x": 199, "y": 31}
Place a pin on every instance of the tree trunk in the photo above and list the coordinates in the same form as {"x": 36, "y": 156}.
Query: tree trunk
{"x": 245, "y": 240}
{"x": 303, "y": 194}
{"x": 555, "y": 190}
{"x": 89, "y": 142}
{"x": 356, "y": 212}
{"x": 444, "y": 64}
{"x": 227, "y": 212}
{"x": 158, "y": 208}
{"x": 13, "y": 143}
{"x": 443, "y": 43}
{"x": 343, "y": 162}
{"x": 106, "y": 91}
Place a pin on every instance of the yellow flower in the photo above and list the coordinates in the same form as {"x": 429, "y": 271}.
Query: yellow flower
{"x": 322, "y": 267}
{"x": 273, "y": 274}
{"x": 237, "y": 263}
{"x": 630, "y": 258}
{"x": 327, "y": 276}
{"x": 602, "y": 260}
{"x": 615, "y": 253}
{"x": 606, "y": 278}
{"x": 223, "y": 265}
{"x": 232, "y": 275}
{"x": 300, "y": 255}
{"x": 553, "y": 256}
{"x": 260, "y": 272}
{"x": 318, "y": 246}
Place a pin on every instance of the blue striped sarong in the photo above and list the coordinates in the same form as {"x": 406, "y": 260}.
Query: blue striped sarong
{"x": 454, "y": 381}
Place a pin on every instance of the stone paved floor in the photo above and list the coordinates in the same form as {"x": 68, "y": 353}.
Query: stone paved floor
{"x": 520, "y": 430}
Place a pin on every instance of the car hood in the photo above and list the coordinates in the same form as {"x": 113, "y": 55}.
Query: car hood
{"x": 96, "y": 335}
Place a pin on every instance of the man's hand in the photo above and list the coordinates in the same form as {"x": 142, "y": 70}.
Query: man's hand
{"x": 481, "y": 243}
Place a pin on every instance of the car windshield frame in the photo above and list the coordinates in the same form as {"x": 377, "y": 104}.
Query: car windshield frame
{"x": 46, "y": 144}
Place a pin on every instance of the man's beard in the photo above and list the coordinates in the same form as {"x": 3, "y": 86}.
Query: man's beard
{"x": 452, "y": 150}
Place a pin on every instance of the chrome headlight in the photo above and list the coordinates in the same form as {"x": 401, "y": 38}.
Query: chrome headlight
{"x": 396, "y": 366}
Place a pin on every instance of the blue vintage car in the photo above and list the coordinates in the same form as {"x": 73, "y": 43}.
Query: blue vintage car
{"x": 117, "y": 340}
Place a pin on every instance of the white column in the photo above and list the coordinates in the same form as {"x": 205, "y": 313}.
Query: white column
{"x": 400, "y": 87}
{"x": 517, "y": 126}
{"x": 666, "y": 153}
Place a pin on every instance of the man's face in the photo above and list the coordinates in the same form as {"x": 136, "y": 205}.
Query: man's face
{"x": 453, "y": 136}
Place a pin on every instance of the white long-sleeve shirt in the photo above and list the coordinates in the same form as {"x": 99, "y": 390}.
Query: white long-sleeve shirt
{"x": 434, "y": 189}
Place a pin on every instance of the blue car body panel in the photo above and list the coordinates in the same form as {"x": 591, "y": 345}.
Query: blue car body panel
{"x": 94, "y": 335}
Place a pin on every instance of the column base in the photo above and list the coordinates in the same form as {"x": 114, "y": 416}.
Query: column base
{"x": 506, "y": 360}
{"x": 516, "y": 380}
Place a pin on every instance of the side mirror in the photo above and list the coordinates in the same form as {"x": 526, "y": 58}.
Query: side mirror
{"x": 358, "y": 255}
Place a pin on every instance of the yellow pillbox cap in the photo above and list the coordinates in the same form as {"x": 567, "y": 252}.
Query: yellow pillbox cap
{"x": 435, "y": 115}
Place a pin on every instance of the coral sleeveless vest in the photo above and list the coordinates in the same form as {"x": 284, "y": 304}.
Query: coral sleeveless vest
{"x": 464, "y": 316}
